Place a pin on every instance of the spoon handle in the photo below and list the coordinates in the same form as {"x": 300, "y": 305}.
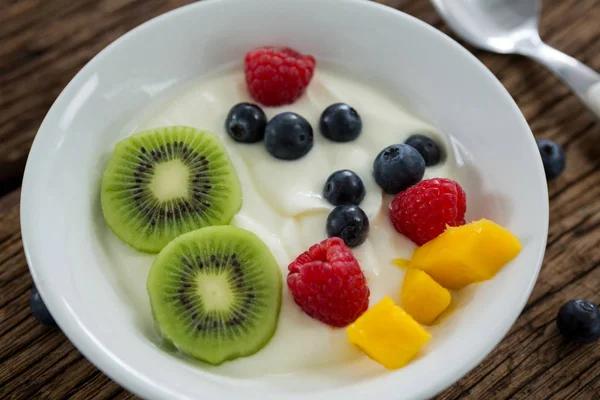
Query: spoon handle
{"x": 584, "y": 81}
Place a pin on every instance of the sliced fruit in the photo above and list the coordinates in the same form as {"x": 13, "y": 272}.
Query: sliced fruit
{"x": 164, "y": 182}
{"x": 466, "y": 254}
{"x": 422, "y": 297}
{"x": 215, "y": 293}
{"x": 388, "y": 335}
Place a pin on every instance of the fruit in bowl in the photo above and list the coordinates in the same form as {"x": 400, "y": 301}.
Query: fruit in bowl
{"x": 422, "y": 297}
{"x": 280, "y": 200}
{"x": 467, "y": 254}
{"x": 388, "y": 334}
{"x": 215, "y": 289}
{"x": 216, "y": 293}
{"x": 162, "y": 183}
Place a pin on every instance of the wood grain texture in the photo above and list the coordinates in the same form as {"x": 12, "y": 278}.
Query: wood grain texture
{"x": 44, "y": 43}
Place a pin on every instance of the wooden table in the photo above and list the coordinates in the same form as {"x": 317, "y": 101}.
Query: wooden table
{"x": 43, "y": 43}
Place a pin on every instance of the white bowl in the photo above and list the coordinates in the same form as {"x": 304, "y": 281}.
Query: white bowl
{"x": 437, "y": 78}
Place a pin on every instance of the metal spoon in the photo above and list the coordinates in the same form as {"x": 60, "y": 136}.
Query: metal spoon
{"x": 511, "y": 26}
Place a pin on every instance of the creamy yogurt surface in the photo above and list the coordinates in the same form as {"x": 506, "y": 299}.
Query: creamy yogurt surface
{"x": 283, "y": 203}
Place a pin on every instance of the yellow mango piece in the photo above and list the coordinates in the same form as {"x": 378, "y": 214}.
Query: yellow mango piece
{"x": 467, "y": 254}
{"x": 422, "y": 297}
{"x": 388, "y": 335}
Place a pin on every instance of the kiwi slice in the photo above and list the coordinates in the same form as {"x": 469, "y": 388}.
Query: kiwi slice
{"x": 164, "y": 182}
{"x": 215, "y": 293}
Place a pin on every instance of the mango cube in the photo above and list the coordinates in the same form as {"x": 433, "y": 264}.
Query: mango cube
{"x": 467, "y": 254}
{"x": 422, "y": 297}
{"x": 388, "y": 335}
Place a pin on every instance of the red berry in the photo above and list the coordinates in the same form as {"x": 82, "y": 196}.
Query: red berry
{"x": 422, "y": 211}
{"x": 277, "y": 76}
{"x": 328, "y": 284}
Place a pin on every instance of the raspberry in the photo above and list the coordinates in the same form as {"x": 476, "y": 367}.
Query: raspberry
{"x": 277, "y": 76}
{"x": 328, "y": 284}
{"x": 422, "y": 211}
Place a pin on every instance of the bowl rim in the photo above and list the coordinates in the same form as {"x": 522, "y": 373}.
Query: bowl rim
{"x": 133, "y": 380}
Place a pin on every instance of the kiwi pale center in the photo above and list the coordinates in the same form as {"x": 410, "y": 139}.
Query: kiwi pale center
{"x": 170, "y": 180}
{"x": 215, "y": 292}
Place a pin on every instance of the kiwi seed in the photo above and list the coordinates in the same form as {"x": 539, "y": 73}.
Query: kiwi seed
{"x": 165, "y": 182}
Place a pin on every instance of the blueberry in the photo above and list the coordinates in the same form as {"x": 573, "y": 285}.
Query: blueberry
{"x": 344, "y": 187}
{"x": 340, "y": 123}
{"x": 427, "y": 147}
{"x": 38, "y": 308}
{"x": 350, "y": 223}
{"x": 553, "y": 158}
{"x": 398, "y": 167}
{"x": 579, "y": 321}
{"x": 288, "y": 136}
{"x": 246, "y": 123}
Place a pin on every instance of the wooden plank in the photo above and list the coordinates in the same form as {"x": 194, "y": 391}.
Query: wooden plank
{"x": 35, "y": 361}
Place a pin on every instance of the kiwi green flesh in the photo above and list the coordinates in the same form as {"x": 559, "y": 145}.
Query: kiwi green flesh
{"x": 165, "y": 182}
{"x": 215, "y": 293}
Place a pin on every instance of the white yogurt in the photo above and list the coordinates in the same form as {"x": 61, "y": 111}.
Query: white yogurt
{"x": 282, "y": 203}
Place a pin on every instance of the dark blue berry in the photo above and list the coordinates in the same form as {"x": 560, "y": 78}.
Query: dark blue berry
{"x": 288, "y": 136}
{"x": 344, "y": 187}
{"x": 398, "y": 167}
{"x": 246, "y": 123}
{"x": 38, "y": 308}
{"x": 579, "y": 321}
{"x": 340, "y": 123}
{"x": 427, "y": 147}
{"x": 350, "y": 223}
{"x": 553, "y": 158}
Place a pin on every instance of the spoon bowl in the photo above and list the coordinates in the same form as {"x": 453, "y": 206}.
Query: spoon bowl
{"x": 511, "y": 26}
{"x": 499, "y": 25}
